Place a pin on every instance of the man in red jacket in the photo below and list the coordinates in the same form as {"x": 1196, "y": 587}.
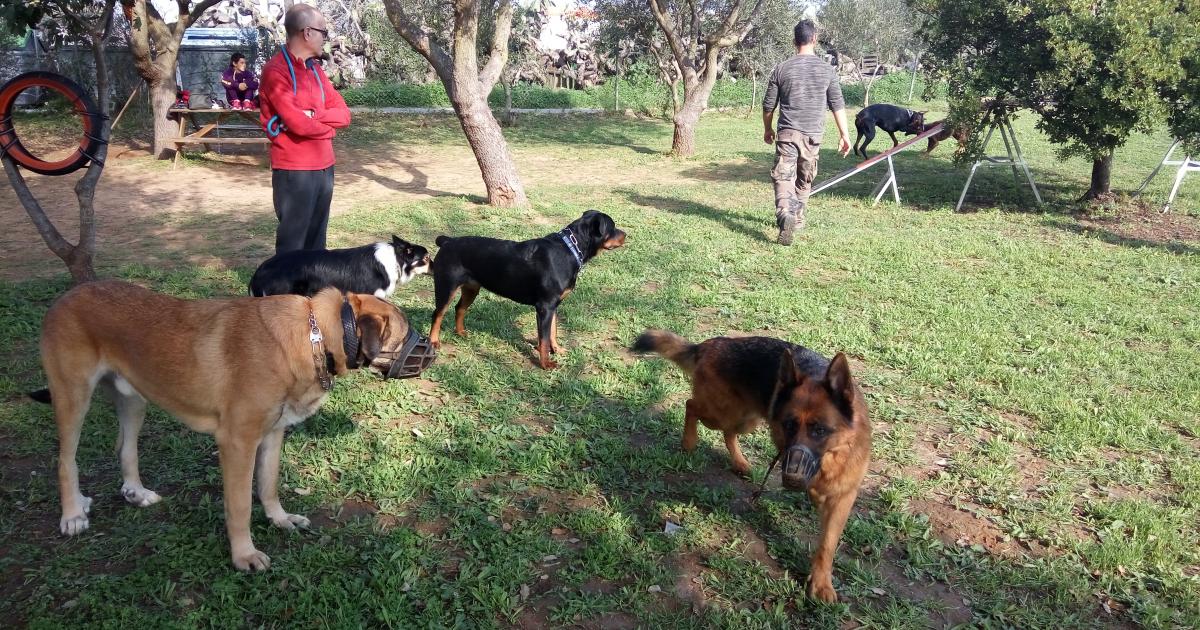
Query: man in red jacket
{"x": 300, "y": 111}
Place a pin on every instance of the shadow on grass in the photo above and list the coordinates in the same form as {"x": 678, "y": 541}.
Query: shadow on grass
{"x": 736, "y": 221}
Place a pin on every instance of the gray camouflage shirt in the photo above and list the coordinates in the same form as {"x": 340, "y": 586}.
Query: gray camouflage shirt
{"x": 803, "y": 87}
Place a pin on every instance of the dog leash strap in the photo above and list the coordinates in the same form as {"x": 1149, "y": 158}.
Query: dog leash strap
{"x": 762, "y": 487}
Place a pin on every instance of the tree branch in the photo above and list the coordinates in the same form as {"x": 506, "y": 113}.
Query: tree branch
{"x": 677, "y": 47}
{"x": 694, "y": 31}
{"x": 85, "y": 188}
{"x": 464, "y": 48}
{"x": 139, "y": 40}
{"x": 198, "y": 10}
{"x": 50, "y": 234}
{"x": 499, "y": 54}
{"x": 420, "y": 39}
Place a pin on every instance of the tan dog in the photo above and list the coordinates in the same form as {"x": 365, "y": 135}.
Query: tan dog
{"x": 816, "y": 414}
{"x": 240, "y": 369}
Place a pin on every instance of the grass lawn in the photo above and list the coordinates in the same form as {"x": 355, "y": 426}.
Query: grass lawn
{"x": 1033, "y": 377}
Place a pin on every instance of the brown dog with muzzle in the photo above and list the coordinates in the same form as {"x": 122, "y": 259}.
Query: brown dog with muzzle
{"x": 242, "y": 370}
{"x": 816, "y": 413}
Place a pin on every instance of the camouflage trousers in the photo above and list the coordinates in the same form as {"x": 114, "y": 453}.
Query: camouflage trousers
{"x": 795, "y": 168}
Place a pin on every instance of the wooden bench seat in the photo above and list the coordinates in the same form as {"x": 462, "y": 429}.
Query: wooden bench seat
{"x": 215, "y": 140}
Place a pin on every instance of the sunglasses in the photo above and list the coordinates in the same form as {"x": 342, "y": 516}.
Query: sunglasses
{"x": 324, "y": 33}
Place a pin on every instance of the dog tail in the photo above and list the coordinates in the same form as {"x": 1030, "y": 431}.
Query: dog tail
{"x": 670, "y": 346}
{"x": 441, "y": 240}
{"x": 41, "y": 395}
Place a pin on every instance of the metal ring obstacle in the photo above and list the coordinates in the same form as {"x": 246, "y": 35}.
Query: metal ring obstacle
{"x": 89, "y": 143}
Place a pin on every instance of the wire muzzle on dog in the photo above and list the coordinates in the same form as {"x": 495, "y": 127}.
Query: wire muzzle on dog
{"x": 412, "y": 358}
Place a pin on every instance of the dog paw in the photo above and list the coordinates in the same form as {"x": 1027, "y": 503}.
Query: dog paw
{"x": 74, "y": 525}
{"x": 77, "y": 522}
{"x": 821, "y": 588}
{"x": 254, "y": 560}
{"x": 741, "y": 470}
{"x": 290, "y": 521}
{"x": 139, "y": 496}
{"x": 549, "y": 364}
{"x": 437, "y": 345}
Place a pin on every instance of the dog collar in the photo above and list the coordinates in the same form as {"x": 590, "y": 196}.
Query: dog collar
{"x": 350, "y": 338}
{"x": 568, "y": 237}
{"x": 324, "y": 378}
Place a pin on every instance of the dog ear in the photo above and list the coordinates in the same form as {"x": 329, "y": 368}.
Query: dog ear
{"x": 789, "y": 376}
{"x": 841, "y": 383}
{"x": 602, "y": 225}
{"x": 400, "y": 244}
{"x": 371, "y": 332}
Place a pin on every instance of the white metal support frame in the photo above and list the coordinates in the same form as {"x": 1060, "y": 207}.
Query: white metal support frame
{"x": 1014, "y": 159}
{"x": 888, "y": 182}
{"x": 1186, "y": 165}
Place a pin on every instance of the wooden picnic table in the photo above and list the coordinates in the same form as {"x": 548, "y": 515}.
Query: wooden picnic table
{"x": 224, "y": 119}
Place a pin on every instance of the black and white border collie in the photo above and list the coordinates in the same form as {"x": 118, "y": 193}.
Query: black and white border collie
{"x": 375, "y": 269}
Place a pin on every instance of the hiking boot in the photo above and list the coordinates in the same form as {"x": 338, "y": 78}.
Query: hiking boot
{"x": 787, "y": 228}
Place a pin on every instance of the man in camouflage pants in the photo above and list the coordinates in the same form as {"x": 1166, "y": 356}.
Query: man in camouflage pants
{"x": 802, "y": 87}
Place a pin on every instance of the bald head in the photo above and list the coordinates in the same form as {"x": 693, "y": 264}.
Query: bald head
{"x": 306, "y": 30}
{"x": 300, "y": 17}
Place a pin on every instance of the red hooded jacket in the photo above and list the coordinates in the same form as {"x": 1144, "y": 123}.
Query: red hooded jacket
{"x": 305, "y": 142}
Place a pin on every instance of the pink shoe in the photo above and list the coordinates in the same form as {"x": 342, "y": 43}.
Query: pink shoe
{"x": 235, "y": 104}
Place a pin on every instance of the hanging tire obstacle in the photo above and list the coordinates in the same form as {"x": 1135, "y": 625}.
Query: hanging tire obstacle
{"x": 89, "y": 143}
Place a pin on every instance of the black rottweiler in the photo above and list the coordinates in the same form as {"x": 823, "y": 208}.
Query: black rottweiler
{"x": 540, "y": 272}
{"x": 889, "y": 118}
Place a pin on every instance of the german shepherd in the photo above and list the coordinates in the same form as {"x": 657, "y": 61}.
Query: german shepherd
{"x": 816, "y": 414}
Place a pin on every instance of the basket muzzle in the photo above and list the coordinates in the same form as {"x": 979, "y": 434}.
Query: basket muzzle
{"x": 412, "y": 358}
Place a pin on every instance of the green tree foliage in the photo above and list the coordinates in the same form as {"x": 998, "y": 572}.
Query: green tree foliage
{"x": 1094, "y": 71}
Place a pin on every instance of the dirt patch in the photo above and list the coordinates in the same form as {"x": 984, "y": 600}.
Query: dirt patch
{"x": 1144, "y": 225}
{"x": 614, "y": 621}
{"x": 689, "y": 585}
{"x": 353, "y": 509}
{"x": 960, "y": 528}
{"x": 537, "y": 425}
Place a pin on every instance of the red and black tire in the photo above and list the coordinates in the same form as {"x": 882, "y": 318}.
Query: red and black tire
{"x": 89, "y": 142}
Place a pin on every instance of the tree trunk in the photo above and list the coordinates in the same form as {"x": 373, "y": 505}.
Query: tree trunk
{"x": 683, "y": 143}
{"x": 672, "y": 87}
{"x": 1101, "y": 178}
{"x": 483, "y": 133}
{"x": 695, "y": 101}
{"x": 508, "y": 118}
{"x": 617, "y": 93}
{"x": 162, "y": 97}
{"x": 753, "y": 90}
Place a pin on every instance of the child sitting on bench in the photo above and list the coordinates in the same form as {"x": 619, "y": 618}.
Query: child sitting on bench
{"x": 240, "y": 84}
